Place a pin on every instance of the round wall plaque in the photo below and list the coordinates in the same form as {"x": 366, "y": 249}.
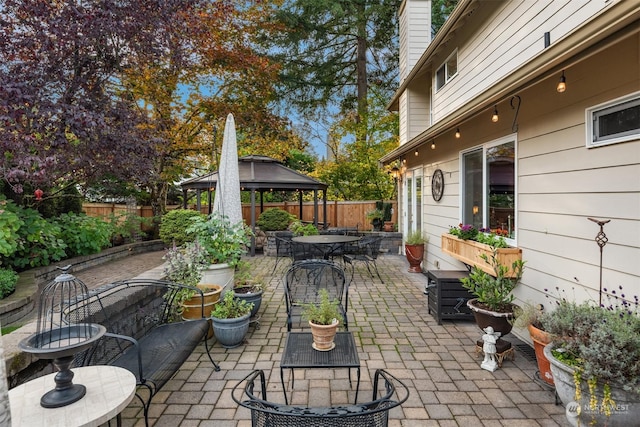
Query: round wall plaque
{"x": 437, "y": 185}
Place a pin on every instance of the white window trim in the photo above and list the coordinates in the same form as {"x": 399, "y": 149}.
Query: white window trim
{"x": 509, "y": 138}
{"x": 589, "y": 121}
{"x": 444, "y": 64}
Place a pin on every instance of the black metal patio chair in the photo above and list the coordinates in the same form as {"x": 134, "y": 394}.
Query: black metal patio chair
{"x": 365, "y": 250}
{"x": 374, "y": 413}
{"x": 283, "y": 248}
{"x": 302, "y": 284}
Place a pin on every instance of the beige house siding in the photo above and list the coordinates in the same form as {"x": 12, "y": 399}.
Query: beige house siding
{"x": 417, "y": 105}
{"x": 509, "y": 37}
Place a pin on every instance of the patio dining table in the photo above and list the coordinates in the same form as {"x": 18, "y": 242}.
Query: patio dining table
{"x": 327, "y": 244}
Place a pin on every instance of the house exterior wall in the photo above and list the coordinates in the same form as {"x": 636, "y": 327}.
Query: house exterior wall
{"x": 560, "y": 182}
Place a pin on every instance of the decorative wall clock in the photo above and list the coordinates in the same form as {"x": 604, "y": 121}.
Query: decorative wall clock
{"x": 437, "y": 185}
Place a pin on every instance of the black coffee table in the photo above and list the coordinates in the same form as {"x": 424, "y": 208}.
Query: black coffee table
{"x": 298, "y": 353}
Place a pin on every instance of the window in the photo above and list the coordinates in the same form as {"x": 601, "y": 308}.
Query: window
{"x": 447, "y": 71}
{"x": 614, "y": 121}
{"x": 488, "y": 187}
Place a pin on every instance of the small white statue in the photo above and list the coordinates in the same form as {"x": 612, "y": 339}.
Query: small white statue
{"x": 489, "y": 348}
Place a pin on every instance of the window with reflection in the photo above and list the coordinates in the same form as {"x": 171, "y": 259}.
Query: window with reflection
{"x": 488, "y": 188}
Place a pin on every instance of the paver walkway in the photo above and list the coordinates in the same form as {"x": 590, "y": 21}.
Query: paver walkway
{"x": 394, "y": 331}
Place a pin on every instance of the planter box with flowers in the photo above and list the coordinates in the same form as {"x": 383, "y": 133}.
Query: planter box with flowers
{"x": 468, "y": 244}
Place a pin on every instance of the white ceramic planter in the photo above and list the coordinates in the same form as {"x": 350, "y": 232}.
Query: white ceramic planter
{"x": 218, "y": 274}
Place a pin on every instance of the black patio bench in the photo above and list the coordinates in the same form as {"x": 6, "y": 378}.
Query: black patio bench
{"x": 142, "y": 336}
{"x": 371, "y": 414}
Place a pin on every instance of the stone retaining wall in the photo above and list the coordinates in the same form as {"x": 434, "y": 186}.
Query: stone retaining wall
{"x": 22, "y": 302}
{"x": 22, "y": 366}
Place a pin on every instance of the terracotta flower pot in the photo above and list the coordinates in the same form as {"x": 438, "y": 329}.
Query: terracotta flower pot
{"x": 415, "y": 255}
{"x": 323, "y": 336}
{"x": 192, "y": 308}
{"x": 540, "y": 340}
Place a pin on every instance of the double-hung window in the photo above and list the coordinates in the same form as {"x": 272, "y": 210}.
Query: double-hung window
{"x": 447, "y": 71}
{"x": 488, "y": 178}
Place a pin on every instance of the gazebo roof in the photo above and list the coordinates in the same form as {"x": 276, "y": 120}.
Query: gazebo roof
{"x": 260, "y": 173}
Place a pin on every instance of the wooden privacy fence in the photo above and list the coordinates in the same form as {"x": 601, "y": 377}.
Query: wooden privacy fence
{"x": 339, "y": 214}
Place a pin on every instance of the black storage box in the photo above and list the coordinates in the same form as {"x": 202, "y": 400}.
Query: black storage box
{"x": 447, "y": 297}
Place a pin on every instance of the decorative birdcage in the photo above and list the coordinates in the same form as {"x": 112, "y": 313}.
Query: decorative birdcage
{"x": 64, "y": 328}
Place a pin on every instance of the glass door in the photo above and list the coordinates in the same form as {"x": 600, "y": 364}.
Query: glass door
{"x": 413, "y": 201}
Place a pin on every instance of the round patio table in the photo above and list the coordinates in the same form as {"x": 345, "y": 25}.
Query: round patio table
{"x": 328, "y": 244}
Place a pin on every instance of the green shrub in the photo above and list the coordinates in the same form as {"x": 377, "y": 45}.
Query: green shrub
{"x": 8, "y": 280}
{"x": 39, "y": 242}
{"x": 128, "y": 225}
{"x": 174, "y": 224}
{"x": 82, "y": 234}
{"x": 274, "y": 219}
{"x": 34, "y": 243}
{"x": 300, "y": 229}
{"x": 10, "y": 223}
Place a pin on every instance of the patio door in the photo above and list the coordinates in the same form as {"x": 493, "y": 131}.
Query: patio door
{"x": 413, "y": 201}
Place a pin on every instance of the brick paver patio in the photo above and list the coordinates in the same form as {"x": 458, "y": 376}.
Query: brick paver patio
{"x": 392, "y": 330}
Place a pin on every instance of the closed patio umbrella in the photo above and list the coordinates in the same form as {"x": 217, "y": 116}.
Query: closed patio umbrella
{"x": 227, "y": 198}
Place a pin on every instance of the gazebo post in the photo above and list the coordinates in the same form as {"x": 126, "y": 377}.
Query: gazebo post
{"x": 184, "y": 198}
{"x": 253, "y": 222}
{"x": 210, "y": 204}
{"x": 300, "y": 203}
{"x": 324, "y": 209}
{"x": 198, "y": 204}
{"x": 315, "y": 208}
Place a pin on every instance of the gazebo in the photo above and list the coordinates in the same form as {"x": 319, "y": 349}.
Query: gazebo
{"x": 260, "y": 174}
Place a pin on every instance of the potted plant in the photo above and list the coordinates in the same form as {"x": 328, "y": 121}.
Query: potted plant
{"x": 528, "y": 316}
{"x": 230, "y": 319}
{"x": 493, "y": 303}
{"x": 376, "y": 217}
{"x": 247, "y": 288}
{"x": 224, "y": 243}
{"x": 184, "y": 265}
{"x": 414, "y": 250}
{"x": 594, "y": 357}
{"x": 324, "y": 318}
{"x": 468, "y": 244}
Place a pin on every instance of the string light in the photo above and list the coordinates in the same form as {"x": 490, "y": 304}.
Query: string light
{"x": 457, "y": 133}
{"x": 494, "y": 118}
{"x": 562, "y": 84}
{"x": 433, "y": 145}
